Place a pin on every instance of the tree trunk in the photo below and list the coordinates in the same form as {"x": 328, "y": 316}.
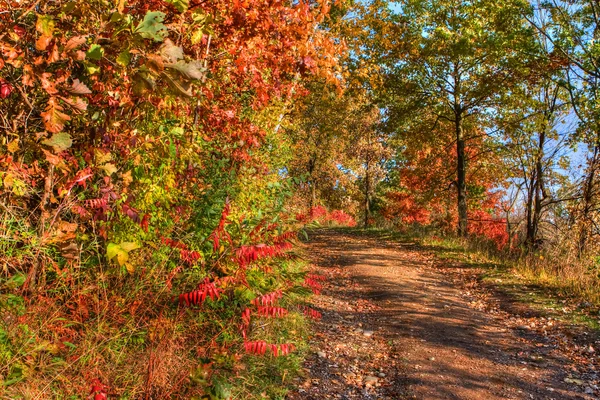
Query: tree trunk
{"x": 461, "y": 184}
{"x": 367, "y": 194}
{"x": 539, "y": 192}
{"x": 508, "y": 229}
{"x": 588, "y": 194}
{"x": 536, "y": 187}
{"x": 313, "y": 186}
{"x": 529, "y": 234}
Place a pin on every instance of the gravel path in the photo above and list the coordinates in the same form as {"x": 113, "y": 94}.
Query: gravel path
{"x": 398, "y": 324}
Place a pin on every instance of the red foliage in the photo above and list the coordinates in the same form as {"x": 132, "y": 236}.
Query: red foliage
{"x": 190, "y": 257}
{"x": 198, "y": 296}
{"x": 220, "y": 231}
{"x": 245, "y": 322}
{"x": 285, "y": 237}
{"x": 96, "y": 203}
{"x": 317, "y": 277}
{"x": 268, "y": 299}
{"x": 272, "y": 311}
{"x": 403, "y": 206}
{"x": 260, "y": 347}
{"x": 321, "y": 215}
{"x": 309, "y": 312}
{"x": 5, "y": 89}
{"x": 313, "y": 284}
{"x": 248, "y": 254}
{"x": 98, "y": 390}
{"x": 493, "y": 228}
{"x": 174, "y": 244}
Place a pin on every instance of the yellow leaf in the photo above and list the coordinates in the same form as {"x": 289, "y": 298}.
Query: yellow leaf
{"x": 8, "y": 180}
{"x": 13, "y": 146}
{"x": 109, "y": 168}
{"x": 102, "y": 157}
{"x": 127, "y": 179}
{"x": 130, "y": 268}
{"x": 129, "y": 246}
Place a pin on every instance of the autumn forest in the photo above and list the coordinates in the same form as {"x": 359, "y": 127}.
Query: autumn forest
{"x": 186, "y": 184}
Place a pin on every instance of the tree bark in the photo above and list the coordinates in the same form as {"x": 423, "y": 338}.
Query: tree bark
{"x": 588, "y": 194}
{"x": 313, "y": 186}
{"x": 461, "y": 178}
{"x": 367, "y": 208}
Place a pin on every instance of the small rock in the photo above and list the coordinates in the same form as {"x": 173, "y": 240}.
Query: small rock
{"x": 368, "y": 333}
{"x": 321, "y": 354}
{"x": 590, "y": 350}
{"x": 381, "y": 375}
{"x": 588, "y": 390}
{"x": 431, "y": 358}
{"x": 574, "y": 381}
{"x": 370, "y": 380}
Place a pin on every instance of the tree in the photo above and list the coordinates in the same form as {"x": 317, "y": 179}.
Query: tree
{"x": 454, "y": 59}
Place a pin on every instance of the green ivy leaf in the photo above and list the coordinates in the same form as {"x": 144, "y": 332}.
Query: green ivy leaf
{"x": 152, "y": 26}
{"x": 95, "y": 52}
{"x": 124, "y": 58}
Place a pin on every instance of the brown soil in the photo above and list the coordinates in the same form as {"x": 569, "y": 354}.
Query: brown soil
{"x": 399, "y": 324}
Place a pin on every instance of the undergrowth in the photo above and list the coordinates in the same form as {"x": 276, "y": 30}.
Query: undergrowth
{"x": 164, "y": 329}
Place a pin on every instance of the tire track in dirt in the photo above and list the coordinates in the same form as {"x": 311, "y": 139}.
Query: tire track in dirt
{"x": 396, "y": 326}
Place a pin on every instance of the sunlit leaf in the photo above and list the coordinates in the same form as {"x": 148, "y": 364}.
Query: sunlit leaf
{"x": 95, "y": 52}
{"x": 59, "y": 141}
{"x": 152, "y": 26}
{"x": 54, "y": 117}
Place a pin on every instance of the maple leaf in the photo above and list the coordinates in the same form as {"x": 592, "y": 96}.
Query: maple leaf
{"x": 152, "y": 26}
{"x": 54, "y": 118}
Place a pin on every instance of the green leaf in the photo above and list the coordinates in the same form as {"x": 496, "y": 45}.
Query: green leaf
{"x": 92, "y": 68}
{"x": 95, "y": 52}
{"x": 124, "y": 58}
{"x": 59, "y": 141}
{"x": 112, "y": 250}
{"x": 121, "y": 253}
{"x": 180, "y": 5}
{"x": 152, "y": 26}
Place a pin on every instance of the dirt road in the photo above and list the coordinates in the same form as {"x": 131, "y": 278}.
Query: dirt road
{"x": 397, "y": 324}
